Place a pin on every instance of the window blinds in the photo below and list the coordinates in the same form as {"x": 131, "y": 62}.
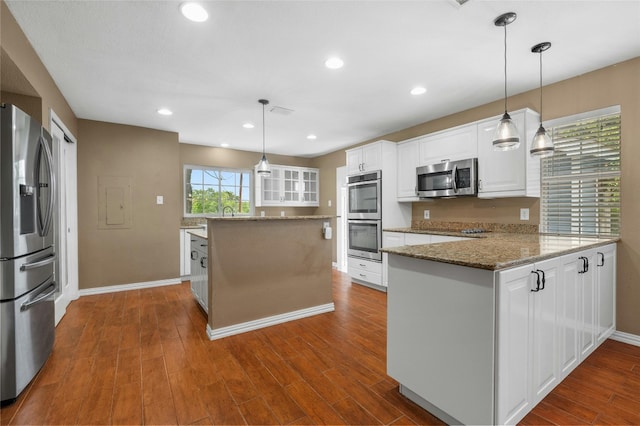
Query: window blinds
{"x": 580, "y": 183}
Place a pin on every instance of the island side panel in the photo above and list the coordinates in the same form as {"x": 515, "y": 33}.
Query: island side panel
{"x": 440, "y": 340}
{"x": 264, "y": 268}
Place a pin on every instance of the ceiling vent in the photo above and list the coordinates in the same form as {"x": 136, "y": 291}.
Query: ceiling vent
{"x": 281, "y": 110}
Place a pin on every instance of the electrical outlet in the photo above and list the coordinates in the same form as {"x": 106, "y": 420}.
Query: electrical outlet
{"x": 524, "y": 214}
{"x": 427, "y": 214}
{"x": 159, "y": 199}
{"x": 281, "y": 212}
{"x": 329, "y": 203}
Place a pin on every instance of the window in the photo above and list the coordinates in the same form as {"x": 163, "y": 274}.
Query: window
{"x": 209, "y": 190}
{"x": 580, "y": 191}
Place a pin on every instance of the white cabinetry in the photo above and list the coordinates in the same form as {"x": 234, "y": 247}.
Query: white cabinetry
{"x": 199, "y": 271}
{"x": 458, "y": 143}
{"x": 512, "y": 173}
{"x": 543, "y": 335}
{"x": 288, "y": 186}
{"x": 365, "y": 270}
{"x": 605, "y": 292}
{"x": 185, "y": 253}
{"x": 364, "y": 159}
{"x": 408, "y": 161}
{"x": 527, "y": 335}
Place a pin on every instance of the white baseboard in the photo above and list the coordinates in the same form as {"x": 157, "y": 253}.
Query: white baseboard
{"x": 268, "y": 321}
{"x": 629, "y": 338}
{"x": 126, "y": 287}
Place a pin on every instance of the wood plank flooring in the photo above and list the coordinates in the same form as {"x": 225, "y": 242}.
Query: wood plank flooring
{"x": 142, "y": 357}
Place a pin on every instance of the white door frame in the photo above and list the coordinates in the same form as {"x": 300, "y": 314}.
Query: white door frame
{"x": 65, "y": 147}
{"x": 341, "y": 218}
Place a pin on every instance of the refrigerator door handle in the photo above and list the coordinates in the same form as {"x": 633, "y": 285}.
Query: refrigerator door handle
{"x": 43, "y": 296}
{"x": 45, "y": 224}
{"x": 38, "y": 264}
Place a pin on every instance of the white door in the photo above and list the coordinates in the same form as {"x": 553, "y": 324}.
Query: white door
{"x": 66, "y": 233}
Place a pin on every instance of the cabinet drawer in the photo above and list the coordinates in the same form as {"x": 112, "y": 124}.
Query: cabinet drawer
{"x": 365, "y": 265}
{"x": 364, "y": 275}
{"x": 392, "y": 239}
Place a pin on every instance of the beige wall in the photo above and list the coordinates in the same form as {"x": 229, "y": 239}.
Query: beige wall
{"x": 614, "y": 85}
{"x": 17, "y": 49}
{"x": 150, "y": 249}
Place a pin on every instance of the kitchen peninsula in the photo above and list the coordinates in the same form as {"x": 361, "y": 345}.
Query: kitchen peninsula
{"x": 480, "y": 330}
{"x": 266, "y": 270}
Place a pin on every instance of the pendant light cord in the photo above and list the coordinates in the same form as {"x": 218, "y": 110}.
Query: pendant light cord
{"x": 505, "y": 68}
{"x": 540, "y": 87}
{"x": 263, "y": 132}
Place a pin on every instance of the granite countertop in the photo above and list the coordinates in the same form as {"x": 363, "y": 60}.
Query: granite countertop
{"x": 199, "y": 232}
{"x": 498, "y": 250}
{"x": 448, "y": 232}
{"x": 260, "y": 218}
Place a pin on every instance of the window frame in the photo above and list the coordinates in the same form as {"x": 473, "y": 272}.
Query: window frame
{"x": 594, "y": 180}
{"x": 249, "y": 172}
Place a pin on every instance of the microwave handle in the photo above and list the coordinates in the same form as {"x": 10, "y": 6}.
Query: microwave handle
{"x": 453, "y": 179}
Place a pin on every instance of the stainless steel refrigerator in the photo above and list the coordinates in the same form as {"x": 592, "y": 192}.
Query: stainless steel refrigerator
{"x": 27, "y": 255}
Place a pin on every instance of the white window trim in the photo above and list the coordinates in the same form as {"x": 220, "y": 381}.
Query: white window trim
{"x": 224, "y": 169}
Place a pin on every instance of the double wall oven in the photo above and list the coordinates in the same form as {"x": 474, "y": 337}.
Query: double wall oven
{"x": 365, "y": 215}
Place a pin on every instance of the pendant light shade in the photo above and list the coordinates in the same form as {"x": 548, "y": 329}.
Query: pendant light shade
{"x": 542, "y": 145}
{"x": 506, "y": 136}
{"x": 263, "y": 167}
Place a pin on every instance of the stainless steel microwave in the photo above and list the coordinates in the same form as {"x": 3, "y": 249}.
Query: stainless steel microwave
{"x": 448, "y": 179}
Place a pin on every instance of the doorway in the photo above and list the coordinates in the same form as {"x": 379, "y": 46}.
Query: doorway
{"x": 66, "y": 220}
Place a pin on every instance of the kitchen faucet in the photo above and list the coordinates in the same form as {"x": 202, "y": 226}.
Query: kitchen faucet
{"x": 224, "y": 209}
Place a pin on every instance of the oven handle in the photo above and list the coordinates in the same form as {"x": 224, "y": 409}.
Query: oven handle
{"x": 41, "y": 297}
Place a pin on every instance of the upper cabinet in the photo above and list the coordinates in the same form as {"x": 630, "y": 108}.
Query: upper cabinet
{"x": 288, "y": 186}
{"x": 408, "y": 161}
{"x": 364, "y": 159}
{"x": 454, "y": 144}
{"x": 512, "y": 173}
{"x": 501, "y": 174}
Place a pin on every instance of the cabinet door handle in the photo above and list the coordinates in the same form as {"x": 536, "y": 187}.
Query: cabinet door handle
{"x": 585, "y": 264}
{"x": 203, "y": 262}
{"x": 537, "y": 289}
{"x": 544, "y": 280}
{"x": 601, "y": 254}
{"x": 194, "y": 255}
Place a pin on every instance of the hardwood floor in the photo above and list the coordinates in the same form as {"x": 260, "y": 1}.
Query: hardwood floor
{"x": 142, "y": 357}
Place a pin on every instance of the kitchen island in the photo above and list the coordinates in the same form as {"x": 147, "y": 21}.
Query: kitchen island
{"x": 480, "y": 330}
{"x": 265, "y": 271}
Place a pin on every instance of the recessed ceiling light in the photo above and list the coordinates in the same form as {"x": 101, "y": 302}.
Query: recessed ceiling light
{"x": 312, "y": 137}
{"x": 165, "y": 111}
{"x": 334, "y": 63}
{"x": 248, "y": 125}
{"x": 194, "y": 12}
{"x": 419, "y": 90}
{"x": 224, "y": 145}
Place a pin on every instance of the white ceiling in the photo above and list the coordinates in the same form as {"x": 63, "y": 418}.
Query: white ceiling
{"x": 119, "y": 61}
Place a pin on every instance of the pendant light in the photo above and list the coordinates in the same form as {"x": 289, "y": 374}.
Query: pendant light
{"x": 263, "y": 167}
{"x": 506, "y": 135}
{"x": 542, "y": 145}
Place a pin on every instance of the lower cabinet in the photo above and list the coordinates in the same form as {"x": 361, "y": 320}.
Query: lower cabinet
{"x": 551, "y": 315}
{"x": 365, "y": 271}
{"x": 185, "y": 250}
{"x": 199, "y": 272}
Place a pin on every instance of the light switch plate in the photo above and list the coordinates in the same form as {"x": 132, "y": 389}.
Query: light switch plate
{"x": 427, "y": 214}
{"x": 329, "y": 203}
{"x": 524, "y": 214}
{"x": 159, "y": 199}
